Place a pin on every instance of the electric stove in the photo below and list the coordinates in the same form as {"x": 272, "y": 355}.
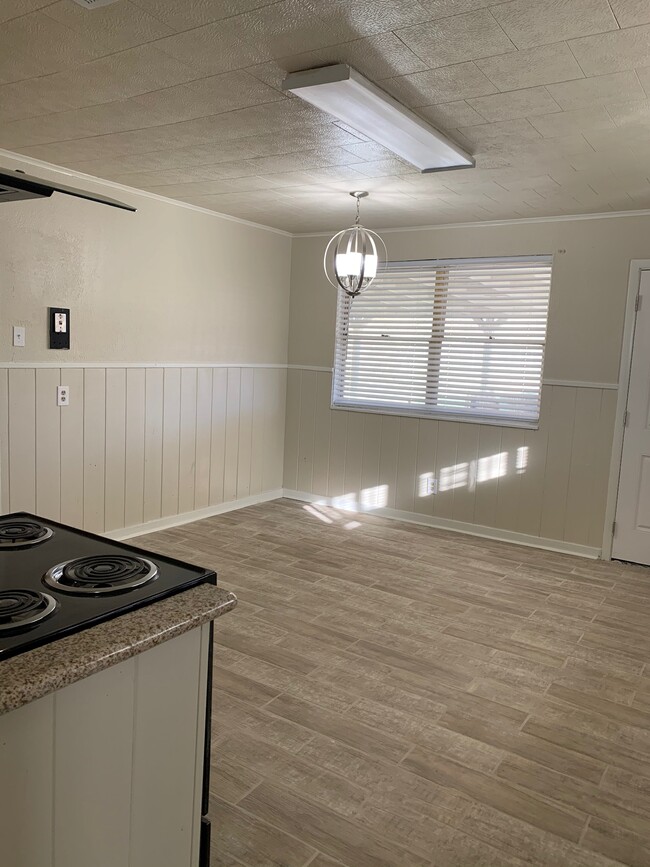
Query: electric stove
{"x": 56, "y": 580}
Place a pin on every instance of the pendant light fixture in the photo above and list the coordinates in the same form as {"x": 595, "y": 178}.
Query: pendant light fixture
{"x": 354, "y": 256}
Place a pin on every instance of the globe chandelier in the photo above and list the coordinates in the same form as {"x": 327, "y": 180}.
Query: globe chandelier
{"x": 354, "y": 256}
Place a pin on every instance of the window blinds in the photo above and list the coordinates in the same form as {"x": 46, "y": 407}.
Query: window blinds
{"x": 459, "y": 339}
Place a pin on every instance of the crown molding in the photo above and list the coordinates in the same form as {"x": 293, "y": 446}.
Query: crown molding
{"x": 113, "y": 185}
{"x": 479, "y": 224}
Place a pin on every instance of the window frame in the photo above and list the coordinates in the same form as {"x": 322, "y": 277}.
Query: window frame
{"x": 343, "y": 307}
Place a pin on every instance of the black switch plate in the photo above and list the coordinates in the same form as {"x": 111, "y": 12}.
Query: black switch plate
{"x": 59, "y": 327}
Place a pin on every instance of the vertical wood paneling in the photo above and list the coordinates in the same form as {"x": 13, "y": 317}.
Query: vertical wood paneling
{"x": 465, "y": 492}
{"x": 245, "y": 447}
{"x": 603, "y": 435}
{"x": 94, "y": 448}
{"x": 22, "y": 440}
{"x": 26, "y": 754}
{"x": 203, "y": 430}
{"x": 307, "y": 427}
{"x": 72, "y": 450}
{"x": 370, "y": 459}
{"x": 388, "y": 451}
{"x": 354, "y": 454}
{"x": 153, "y": 438}
{"x": 171, "y": 440}
{"x": 274, "y": 436}
{"x": 448, "y": 472}
{"x": 135, "y": 456}
{"x": 218, "y": 435}
{"x": 338, "y": 440}
{"x": 406, "y": 464}
{"x": 4, "y": 440}
{"x": 292, "y": 430}
{"x": 425, "y": 464}
{"x": 262, "y": 421}
{"x": 232, "y": 434}
{"x": 509, "y": 489}
{"x": 92, "y": 786}
{"x": 584, "y": 449}
{"x": 115, "y": 448}
{"x": 48, "y": 444}
{"x": 531, "y": 498}
{"x": 187, "y": 440}
{"x": 487, "y": 475}
{"x": 322, "y": 423}
{"x": 558, "y": 462}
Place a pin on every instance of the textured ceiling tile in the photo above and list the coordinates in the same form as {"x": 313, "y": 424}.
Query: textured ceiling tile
{"x": 186, "y": 14}
{"x": 445, "y": 8}
{"x": 538, "y": 23}
{"x": 544, "y": 65}
{"x": 15, "y": 8}
{"x": 273, "y": 72}
{"x": 626, "y": 113}
{"x": 448, "y": 84}
{"x": 566, "y": 122}
{"x": 450, "y": 115}
{"x": 455, "y": 39}
{"x": 214, "y": 48}
{"x": 112, "y": 28}
{"x": 368, "y": 151}
{"x": 233, "y": 90}
{"x": 288, "y": 27}
{"x": 613, "y": 52}
{"x": 296, "y": 140}
{"x": 597, "y": 90}
{"x": 629, "y": 13}
{"x": 36, "y": 45}
{"x": 377, "y": 57}
{"x": 368, "y": 17}
{"x": 514, "y": 104}
{"x": 381, "y": 168}
{"x": 502, "y": 134}
{"x": 644, "y": 78}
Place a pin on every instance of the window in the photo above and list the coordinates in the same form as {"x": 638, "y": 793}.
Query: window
{"x": 461, "y": 339}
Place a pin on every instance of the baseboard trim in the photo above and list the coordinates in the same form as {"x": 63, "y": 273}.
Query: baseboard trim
{"x": 556, "y": 545}
{"x": 188, "y": 517}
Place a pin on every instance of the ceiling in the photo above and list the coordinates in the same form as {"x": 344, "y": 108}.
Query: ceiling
{"x": 183, "y": 98}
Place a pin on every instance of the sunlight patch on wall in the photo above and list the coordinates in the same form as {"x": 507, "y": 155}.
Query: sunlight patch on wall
{"x": 522, "y": 459}
{"x": 374, "y": 498}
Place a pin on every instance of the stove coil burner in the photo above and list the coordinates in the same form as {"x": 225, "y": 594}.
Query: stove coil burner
{"x": 22, "y": 608}
{"x": 19, "y": 533}
{"x": 99, "y": 574}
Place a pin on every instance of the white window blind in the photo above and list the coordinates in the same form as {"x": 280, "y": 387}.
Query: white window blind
{"x": 450, "y": 338}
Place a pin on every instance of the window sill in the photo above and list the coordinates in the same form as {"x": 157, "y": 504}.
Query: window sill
{"x": 438, "y": 416}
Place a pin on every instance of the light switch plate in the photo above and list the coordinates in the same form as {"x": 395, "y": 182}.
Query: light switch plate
{"x": 19, "y": 335}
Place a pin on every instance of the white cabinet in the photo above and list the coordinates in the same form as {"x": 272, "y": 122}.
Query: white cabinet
{"x": 107, "y": 772}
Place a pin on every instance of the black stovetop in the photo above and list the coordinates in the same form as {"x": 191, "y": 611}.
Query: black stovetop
{"x": 24, "y": 569}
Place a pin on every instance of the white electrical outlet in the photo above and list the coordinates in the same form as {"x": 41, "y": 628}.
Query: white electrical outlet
{"x": 432, "y": 486}
{"x": 19, "y": 335}
{"x": 63, "y": 395}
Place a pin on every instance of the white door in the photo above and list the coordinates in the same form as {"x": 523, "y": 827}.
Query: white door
{"x": 632, "y": 529}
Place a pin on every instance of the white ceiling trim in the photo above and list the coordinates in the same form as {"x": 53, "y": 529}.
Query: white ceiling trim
{"x": 72, "y": 173}
{"x": 559, "y": 218}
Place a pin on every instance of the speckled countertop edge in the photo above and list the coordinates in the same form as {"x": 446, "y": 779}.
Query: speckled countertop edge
{"x": 32, "y": 675}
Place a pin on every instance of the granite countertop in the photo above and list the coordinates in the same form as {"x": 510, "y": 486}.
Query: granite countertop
{"x": 32, "y": 675}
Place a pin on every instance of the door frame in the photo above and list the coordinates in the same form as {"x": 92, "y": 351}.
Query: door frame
{"x": 637, "y": 266}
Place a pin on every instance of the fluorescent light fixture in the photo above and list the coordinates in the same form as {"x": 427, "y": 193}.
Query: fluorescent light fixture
{"x": 344, "y": 93}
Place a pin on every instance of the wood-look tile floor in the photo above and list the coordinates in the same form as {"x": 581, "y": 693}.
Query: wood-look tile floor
{"x": 388, "y": 695}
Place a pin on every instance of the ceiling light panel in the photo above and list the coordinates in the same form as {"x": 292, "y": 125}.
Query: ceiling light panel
{"x": 344, "y": 93}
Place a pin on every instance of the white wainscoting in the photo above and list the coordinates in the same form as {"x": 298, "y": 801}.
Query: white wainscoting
{"x": 548, "y": 484}
{"x": 139, "y": 444}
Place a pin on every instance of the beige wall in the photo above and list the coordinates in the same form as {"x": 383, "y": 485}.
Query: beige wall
{"x": 561, "y": 492}
{"x": 205, "y": 296}
{"x": 166, "y": 284}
